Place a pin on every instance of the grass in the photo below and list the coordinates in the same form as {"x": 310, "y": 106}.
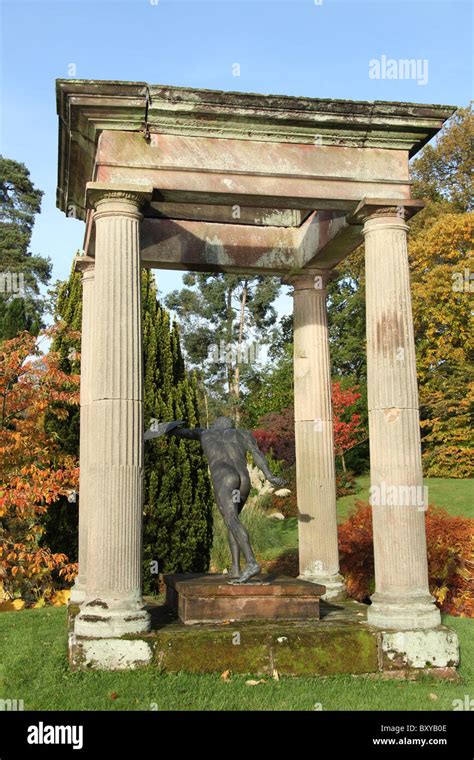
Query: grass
{"x": 33, "y": 665}
{"x": 34, "y": 643}
{"x": 455, "y": 496}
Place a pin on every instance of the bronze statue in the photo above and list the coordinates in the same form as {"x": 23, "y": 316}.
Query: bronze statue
{"x": 225, "y": 448}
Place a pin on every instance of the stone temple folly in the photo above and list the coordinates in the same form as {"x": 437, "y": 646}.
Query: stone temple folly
{"x": 186, "y": 179}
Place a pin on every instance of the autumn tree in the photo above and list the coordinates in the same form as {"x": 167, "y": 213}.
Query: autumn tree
{"x": 276, "y": 430}
{"x": 441, "y": 266}
{"x": 34, "y": 471}
{"x": 442, "y": 173}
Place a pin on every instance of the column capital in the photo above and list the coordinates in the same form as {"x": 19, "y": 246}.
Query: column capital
{"x": 311, "y": 279}
{"x": 111, "y": 199}
{"x": 391, "y": 208}
{"x": 84, "y": 264}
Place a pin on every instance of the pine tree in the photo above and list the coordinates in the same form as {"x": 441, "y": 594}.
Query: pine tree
{"x": 177, "y": 490}
{"x": 21, "y": 273}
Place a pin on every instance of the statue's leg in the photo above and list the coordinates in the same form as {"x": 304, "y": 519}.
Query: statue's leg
{"x": 235, "y": 554}
{"x": 226, "y": 483}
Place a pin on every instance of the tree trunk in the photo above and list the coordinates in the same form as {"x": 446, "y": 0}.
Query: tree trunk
{"x": 243, "y": 302}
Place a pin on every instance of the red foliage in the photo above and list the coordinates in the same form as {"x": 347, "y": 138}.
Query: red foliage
{"x": 450, "y": 544}
{"x": 276, "y": 432}
{"x": 281, "y": 446}
{"x": 34, "y": 473}
{"x": 346, "y": 431}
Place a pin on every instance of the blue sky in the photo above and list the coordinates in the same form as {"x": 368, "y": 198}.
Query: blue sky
{"x": 295, "y": 48}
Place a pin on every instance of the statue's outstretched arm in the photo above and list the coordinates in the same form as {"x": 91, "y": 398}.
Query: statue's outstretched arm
{"x": 166, "y": 428}
{"x": 193, "y": 434}
{"x": 260, "y": 461}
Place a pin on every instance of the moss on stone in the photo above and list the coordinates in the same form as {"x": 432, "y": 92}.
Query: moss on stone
{"x": 343, "y": 649}
{"x": 207, "y": 651}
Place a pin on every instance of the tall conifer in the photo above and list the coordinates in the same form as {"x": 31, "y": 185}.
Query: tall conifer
{"x": 177, "y": 491}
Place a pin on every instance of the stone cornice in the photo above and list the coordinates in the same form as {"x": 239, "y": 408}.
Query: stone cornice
{"x": 87, "y": 107}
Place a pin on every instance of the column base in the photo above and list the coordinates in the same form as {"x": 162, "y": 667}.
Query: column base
{"x": 438, "y": 648}
{"x": 403, "y": 613}
{"x": 108, "y": 654}
{"x": 335, "y": 584}
{"x": 78, "y": 593}
{"x": 99, "y": 619}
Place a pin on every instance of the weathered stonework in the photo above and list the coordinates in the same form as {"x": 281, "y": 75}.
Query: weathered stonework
{"x": 340, "y": 643}
{"x": 402, "y": 599}
{"x": 112, "y": 604}
{"x": 272, "y": 185}
{"x": 315, "y": 469}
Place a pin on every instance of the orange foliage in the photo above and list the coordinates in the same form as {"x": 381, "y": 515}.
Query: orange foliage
{"x": 33, "y": 472}
{"x": 450, "y": 545}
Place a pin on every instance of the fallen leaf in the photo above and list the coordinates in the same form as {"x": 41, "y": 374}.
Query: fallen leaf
{"x": 433, "y": 696}
{"x": 113, "y": 695}
{"x": 225, "y": 676}
{"x": 275, "y": 675}
{"x": 254, "y": 683}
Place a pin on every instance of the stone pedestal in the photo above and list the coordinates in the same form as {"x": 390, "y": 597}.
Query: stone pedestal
{"x": 315, "y": 469}
{"x": 212, "y": 599}
{"x": 402, "y": 599}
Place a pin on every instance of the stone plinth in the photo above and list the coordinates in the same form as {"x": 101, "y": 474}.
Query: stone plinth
{"x": 340, "y": 643}
{"x": 213, "y": 599}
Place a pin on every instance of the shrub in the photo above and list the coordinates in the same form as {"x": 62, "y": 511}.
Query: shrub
{"x": 34, "y": 472}
{"x": 450, "y": 545}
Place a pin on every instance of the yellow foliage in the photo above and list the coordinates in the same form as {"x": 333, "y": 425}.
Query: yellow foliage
{"x": 60, "y": 598}
{"x": 12, "y": 605}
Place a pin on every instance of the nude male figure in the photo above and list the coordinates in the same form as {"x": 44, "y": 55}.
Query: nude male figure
{"x": 226, "y": 448}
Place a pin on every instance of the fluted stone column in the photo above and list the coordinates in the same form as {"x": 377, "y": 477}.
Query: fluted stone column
{"x": 84, "y": 264}
{"x": 315, "y": 469}
{"x": 401, "y": 599}
{"x": 113, "y": 604}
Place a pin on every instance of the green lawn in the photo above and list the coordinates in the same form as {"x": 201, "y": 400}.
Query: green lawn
{"x": 33, "y": 666}
{"x": 33, "y": 644}
{"x": 455, "y": 496}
